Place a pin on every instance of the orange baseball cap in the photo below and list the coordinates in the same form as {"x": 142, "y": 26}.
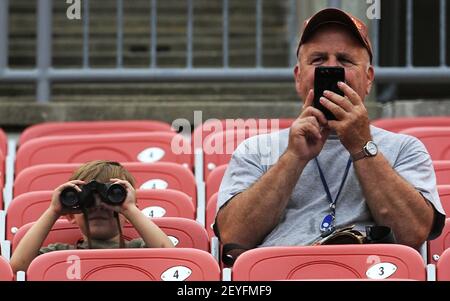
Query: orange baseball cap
{"x": 334, "y": 15}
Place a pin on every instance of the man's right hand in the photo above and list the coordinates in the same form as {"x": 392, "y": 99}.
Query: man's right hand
{"x": 308, "y": 132}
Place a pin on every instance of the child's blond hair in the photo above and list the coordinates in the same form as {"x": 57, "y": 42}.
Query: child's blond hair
{"x": 102, "y": 171}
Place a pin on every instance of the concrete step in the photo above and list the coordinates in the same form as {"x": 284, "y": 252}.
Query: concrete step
{"x": 164, "y": 60}
{"x": 143, "y": 44}
{"x": 21, "y": 114}
{"x": 110, "y": 30}
{"x": 170, "y": 90}
{"x": 18, "y": 22}
{"x": 107, "y": 99}
{"x": 73, "y": 53}
{"x": 138, "y": 5}
{"x": 31, "y": 113}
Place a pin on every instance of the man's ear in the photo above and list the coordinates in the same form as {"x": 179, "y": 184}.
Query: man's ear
{"x": 370, "y": 78}
{"x": 296, "y": 72}
{"x": 297, "y": 78}
{"x": 70, "y": 218}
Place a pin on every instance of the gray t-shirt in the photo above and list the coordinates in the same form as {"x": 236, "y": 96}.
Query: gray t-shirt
{"x": 308, "y": 204}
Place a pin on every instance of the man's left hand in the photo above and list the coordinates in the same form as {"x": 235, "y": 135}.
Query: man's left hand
{"x": 352, "y": 121}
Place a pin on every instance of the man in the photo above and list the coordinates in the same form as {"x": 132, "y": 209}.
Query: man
{"x": 329, "y": 174}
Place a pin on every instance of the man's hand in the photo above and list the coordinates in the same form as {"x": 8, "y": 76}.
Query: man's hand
{"x": 308, "y": 132}
{"x": 352, "y": 121}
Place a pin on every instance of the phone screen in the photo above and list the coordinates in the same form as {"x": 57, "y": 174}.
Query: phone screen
{"x": 326, "y": 78}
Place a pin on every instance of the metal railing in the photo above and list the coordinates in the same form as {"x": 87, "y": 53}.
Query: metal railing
{"x": 44, "y": 74}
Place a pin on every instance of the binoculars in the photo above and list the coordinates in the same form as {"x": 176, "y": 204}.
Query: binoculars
{"x": 110, "y": 193}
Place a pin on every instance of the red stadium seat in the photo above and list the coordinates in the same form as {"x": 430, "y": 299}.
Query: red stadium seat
{"x": 6, "y": 273}
{"x": 3, "y": 143}
{"x": 443, "y": 267}
{"x": 219, "y": 147}
{"x": 444, "y": 195}
{"x": 211, "y": 126}
{"x": 188, "y": 233}
{"x": 24, "y": 209}
{"x": 214, "y": 179}
{"x": 129, "y": 147}
{"x": 403, "y": 123}
{"x": 211, "y": 208}
{"x": 160, "y": 175}
{"x": 330, "y": 262}
{"x": 165, "y": 203}
{"x": 91, "y": 127}
{"x": 435, "y": 139}
{"x": 185, "y": 233}
{"x": 437, "y": 246}
{"x": 28, "y": 207}
{"x": 442, "y": 170}
{"x": 127, "y": 264}
{"x": 2, "y": 179}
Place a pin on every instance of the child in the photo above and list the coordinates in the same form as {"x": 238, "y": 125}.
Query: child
{"x": 99, "y": 226}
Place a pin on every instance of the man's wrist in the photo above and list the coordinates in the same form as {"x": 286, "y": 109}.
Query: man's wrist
{"x": 370, "y": 149}
{"x": 293, "y": 159}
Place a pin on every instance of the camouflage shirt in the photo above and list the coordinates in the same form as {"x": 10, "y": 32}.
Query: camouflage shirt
{"x": 96, "y": 244}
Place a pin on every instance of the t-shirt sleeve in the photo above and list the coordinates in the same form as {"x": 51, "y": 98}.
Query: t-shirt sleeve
{"x": 137, "y": 243}
{"x": 414, "y": 164}
{"x": 55, "y": 247}
{"x": 243, "y": 170}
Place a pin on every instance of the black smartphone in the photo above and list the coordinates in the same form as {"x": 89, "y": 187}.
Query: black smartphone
{"x": 326, "y": 78}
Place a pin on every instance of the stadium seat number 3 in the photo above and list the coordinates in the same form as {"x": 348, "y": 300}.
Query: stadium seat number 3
{"x": 381, "y": 270}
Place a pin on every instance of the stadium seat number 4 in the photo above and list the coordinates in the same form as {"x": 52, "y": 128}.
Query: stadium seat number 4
{"x": 177, "y": 273}
{"x": 151, "y": 155}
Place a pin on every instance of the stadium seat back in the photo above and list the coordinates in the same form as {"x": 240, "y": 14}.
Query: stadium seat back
{"x": 28, "y": 207}
{"x": 91, "y": 127}
{"x": 438, "y": 245}
{"x": 330, "y": 262}
{"x": 130, "y": 147}
{"x": 444, "y": 195}
{"x": 211, "y": 208}
{"x": 167, "y": 264}
{"x": 214, "y": 180}
{"x": 435, "y": 139}
{"x": 165, "y": 203}
{"x": 3, "y": 143}
{"x": 185, "y": 233}
{"x": 442, "y": 170}
{"x": 211, "y": 126}
{"x": 399, "y": 124}
{"x": 6, "y": 273}
{"x": 160, "y": 175}
{"x": 443, "y": 267}
{"x": 219, "y": 147}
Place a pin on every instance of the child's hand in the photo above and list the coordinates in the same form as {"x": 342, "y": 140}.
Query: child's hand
{"x": 130, "y": 200}
{"x": 55, "y": 204}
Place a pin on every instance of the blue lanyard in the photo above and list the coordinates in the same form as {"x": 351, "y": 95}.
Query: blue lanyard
{"x": 325, "y": 185}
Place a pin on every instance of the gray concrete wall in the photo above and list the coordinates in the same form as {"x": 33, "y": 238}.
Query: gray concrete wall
{"x": 420, "y": 107}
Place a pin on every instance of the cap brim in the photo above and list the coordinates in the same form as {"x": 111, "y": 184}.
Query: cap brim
{"x": 329, "y": 15}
